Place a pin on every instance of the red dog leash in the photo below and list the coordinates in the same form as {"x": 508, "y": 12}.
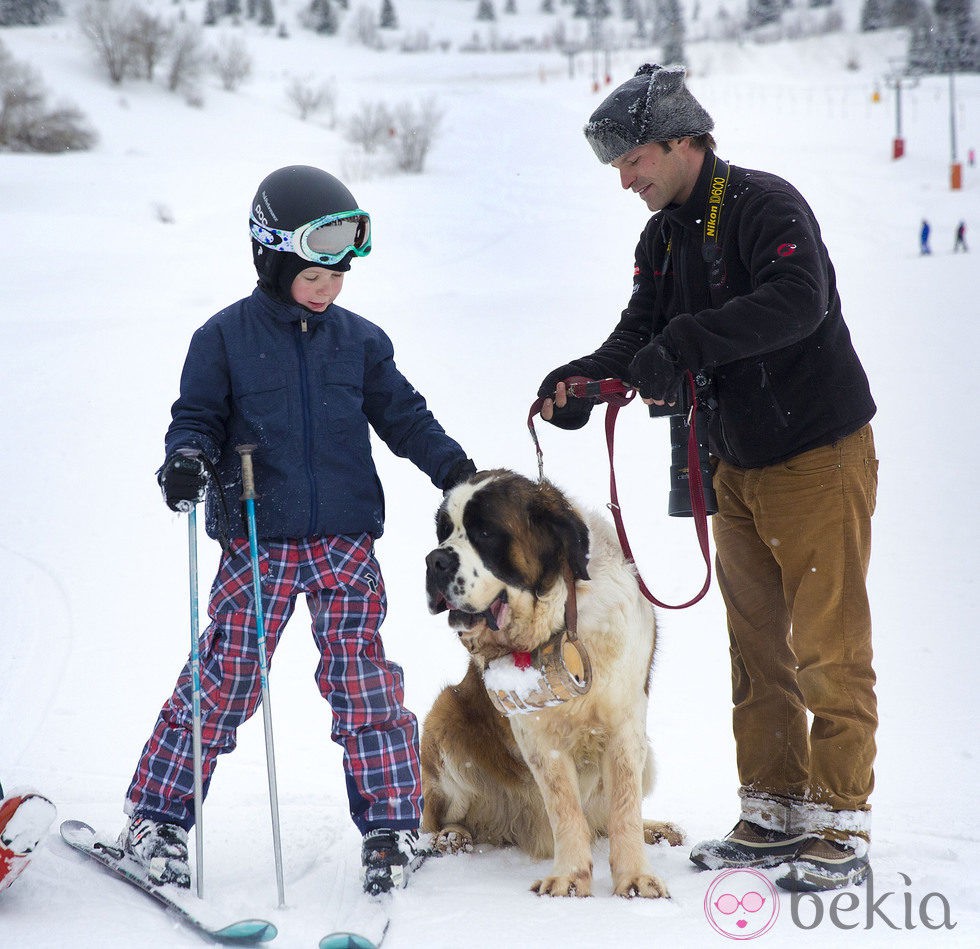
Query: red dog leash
{"x": 615, "y": 393}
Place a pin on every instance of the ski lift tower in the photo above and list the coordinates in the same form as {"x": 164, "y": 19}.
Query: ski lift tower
{"x": 955, "y": 168}
{"x": 899, "y": 79}
{"x": 595, "y": 27}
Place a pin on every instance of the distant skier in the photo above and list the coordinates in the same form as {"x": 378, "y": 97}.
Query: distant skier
{"x": 25, "y": 817}
{"x": 924, "y": 238}
{"x": 960, "y": 238}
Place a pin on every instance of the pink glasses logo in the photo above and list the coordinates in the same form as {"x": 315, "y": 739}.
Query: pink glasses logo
{"x": 741, "y": 904}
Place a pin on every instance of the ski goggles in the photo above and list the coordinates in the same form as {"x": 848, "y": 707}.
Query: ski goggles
{"x": 327, "y": 240}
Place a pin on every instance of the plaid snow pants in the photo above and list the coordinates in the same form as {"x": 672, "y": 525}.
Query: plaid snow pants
{"x": 379, "y": 736}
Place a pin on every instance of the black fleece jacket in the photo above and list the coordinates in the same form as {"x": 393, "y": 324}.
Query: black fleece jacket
{"x": 754, "y": 307}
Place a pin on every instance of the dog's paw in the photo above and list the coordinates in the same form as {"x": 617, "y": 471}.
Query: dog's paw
{"x": 654, "y": 831}
{"x": 574, "y": 884}
{"x": 641, "y": 884}
{"x": 453, "y": 839}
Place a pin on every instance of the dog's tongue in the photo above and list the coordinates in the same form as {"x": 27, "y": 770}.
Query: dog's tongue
{"x": 522, "y": 660}
{"x": 498, "y": 613}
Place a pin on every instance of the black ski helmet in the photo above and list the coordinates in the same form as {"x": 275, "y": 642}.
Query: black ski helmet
{"x": 286, "y": 199}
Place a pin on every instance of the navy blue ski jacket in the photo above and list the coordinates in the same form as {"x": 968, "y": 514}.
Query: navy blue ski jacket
{"x": 304, "y": 388}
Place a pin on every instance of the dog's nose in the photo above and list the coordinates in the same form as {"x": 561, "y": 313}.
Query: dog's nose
{"x": 441, "y": 564}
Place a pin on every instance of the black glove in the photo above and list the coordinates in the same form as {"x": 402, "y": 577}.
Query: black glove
{"x": 654, "y": 372}
{"x": 575, "y": 413}
{"x": 459, "y": 473}
{"x": 183, "y": 479}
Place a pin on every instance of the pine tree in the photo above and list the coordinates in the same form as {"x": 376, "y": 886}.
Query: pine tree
{"x": 906, "y": 12}
{"x": 322, "y": 18}
{"x": 28, "y": 12}
{"x": 388, "y": 19}
{"x": 485, "y": 11}
{"x": 874, "y": 16}
{"x": 942, "y": 44}
{"x": 763, "y": 12}
{"x": 266, "y": 14}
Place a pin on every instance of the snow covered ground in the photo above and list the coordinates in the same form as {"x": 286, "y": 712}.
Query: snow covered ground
{"x": 512, "y": 253}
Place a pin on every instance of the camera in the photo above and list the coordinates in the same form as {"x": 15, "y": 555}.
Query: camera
{"x": 679, "y": 500}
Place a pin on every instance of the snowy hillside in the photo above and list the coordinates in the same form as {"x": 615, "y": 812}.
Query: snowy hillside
{"x": 509, "y": 255}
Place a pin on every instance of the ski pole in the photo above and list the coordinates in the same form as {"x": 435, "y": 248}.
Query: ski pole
{"x": 249, "y": 496}
{"x": 196, "y": 683}
{"x": 190, "y": 508}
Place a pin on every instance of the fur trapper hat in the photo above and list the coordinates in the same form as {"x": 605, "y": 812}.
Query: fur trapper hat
{"x": 653, "y": 106}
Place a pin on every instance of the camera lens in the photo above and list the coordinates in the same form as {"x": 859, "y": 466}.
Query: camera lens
{"x": 679, "y": 500}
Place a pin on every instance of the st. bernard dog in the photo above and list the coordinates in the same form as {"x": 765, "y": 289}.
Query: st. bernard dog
{"x": 549, "y": 781}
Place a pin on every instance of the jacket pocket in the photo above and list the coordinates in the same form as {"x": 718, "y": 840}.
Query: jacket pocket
{"x": 262, "y": 401}
{"x": 341, "y": 395}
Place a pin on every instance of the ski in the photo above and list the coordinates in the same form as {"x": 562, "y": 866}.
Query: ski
{"x": 362, "y": 923}
{"x": 347, "y": 940}
{"x": 180, "y": 903}
{"x": 363, "y": 920}
{"x": 364, "y": 927}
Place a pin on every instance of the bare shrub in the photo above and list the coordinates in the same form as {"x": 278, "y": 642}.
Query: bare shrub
{"x": 309, "y": 97}
{"x": 231, "y": 62}
{"x": 26, "y": 122}
{"x": 364, "y": 30}
{"x": 150, "y": 36}
{"x": 371, "y": 126}
{"x": 414, "y": 132}
{"x": 105, "y": 24}
{"x": 187, "y": 59}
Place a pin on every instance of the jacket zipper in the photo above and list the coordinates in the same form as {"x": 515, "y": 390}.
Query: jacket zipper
{"x": 304, "y": 395}
{"x": 780, "y": 414}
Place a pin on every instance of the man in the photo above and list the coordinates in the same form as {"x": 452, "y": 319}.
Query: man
{"x": 734, "y": 285}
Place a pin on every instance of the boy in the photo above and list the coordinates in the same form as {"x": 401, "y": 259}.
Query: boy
{"x": 288, "y": 370}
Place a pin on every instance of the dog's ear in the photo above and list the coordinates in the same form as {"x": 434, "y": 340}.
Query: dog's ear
{"x": 575, "y": 541}
{"x": 552, "y": 512}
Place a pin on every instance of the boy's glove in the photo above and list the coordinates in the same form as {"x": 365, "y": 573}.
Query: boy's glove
{"x": 458, "y": 474}
{"x": 654, "y": 372}
{"x": 183, "y": 479}
{"x": 575, "y": 413}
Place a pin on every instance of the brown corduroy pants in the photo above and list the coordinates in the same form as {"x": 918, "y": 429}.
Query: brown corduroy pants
{"x": 793, "y": 543}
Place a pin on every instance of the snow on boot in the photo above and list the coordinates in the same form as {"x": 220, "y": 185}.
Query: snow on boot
{"x": 826, "y": 865}
{"x": 747, "y": 845}
{"x": 24, "y": 820}
{"x": 160, "y": 849}
{"x": 388, "y": 857}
